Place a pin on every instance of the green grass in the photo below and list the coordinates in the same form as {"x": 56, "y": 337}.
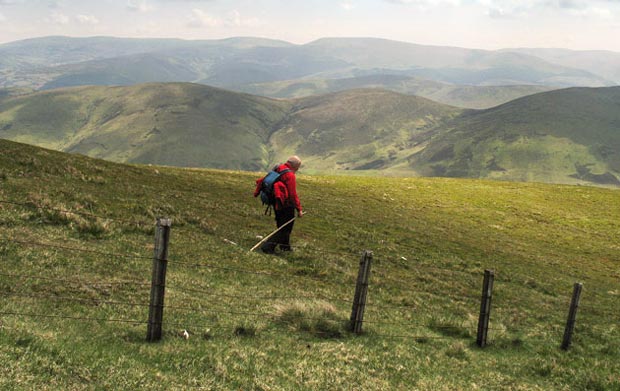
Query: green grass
{"x": 465, "y": 96}
{"x": 267, "y": 322}
{"x": 565, "y": 136}
{"x": 178, "y": 124}
{"x": 544, "y": 137}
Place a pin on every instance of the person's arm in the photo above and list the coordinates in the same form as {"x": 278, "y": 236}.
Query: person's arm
{"x": 291, "y": 186}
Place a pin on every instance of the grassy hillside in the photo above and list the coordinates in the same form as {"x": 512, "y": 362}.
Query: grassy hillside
{"x": 139, "y": 68}
{"x": 172, "y": 124}
{"x": 358, "y": 130}
{"x": 471, "y": 97}
{"x": 198, "y": 126}
{"x": 564, "y": 136}
{"x": 543, "y": 137}
{"x": 277, "y": 322}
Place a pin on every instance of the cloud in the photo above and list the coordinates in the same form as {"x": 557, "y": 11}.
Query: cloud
{"x": 593, "y": 12}
{"x": 58, "y": 18}
{"x": 569, "y": 4}
{"x": 499, "y": 13}
{"x": 347, "y": 5}
{"x": 508, "y": 9}
{"x": 184, "y": 1}
{"x": 50, "y": 3}
{"x": 200, "y": 18}
{"x": 425, "y": 3}
{"x": 505, "y": 9}
{"x": 86, "y": 19}
{"x": 588, "y": 9}
{"x": 139, "y": 5}
{"x": 236, "y": 20}
{"x": 2, "y": 18}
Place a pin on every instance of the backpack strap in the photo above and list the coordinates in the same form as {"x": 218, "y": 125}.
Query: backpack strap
{"x": 280, "y": 173}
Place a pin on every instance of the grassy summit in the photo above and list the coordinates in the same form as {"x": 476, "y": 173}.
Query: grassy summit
{"x": 278, "y": 322}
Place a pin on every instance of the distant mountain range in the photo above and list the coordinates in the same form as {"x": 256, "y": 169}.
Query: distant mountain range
{"x": 464, "y": 77}
{"x": 562, "y": 136}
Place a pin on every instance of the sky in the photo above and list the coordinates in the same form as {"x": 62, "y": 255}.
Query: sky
{"x": 483, "y": 24}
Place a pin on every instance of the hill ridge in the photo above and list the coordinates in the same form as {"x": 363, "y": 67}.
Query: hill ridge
{"x": 239, "y": 61}
{"x": 188, "y": 124}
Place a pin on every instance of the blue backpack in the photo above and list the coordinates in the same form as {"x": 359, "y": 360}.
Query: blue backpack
{"x": 264, "y": 187}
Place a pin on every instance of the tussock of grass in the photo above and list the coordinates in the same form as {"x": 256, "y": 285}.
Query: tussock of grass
{"x": 205, "y": 225}
{"x": 318, "y": 318}
{"x": 452, "y": 327}
{"x": 50, "y": 212}
{"x": 459, "y": 351}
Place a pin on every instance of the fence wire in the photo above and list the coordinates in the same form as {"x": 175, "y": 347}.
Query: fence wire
{"x": 93, "y": 301}
{"x": 81, "y": 318}
{"x": 255, "y": 296}
{"x": 195, "y": 309}
{"x": 74, "y": 281}
{"x": 75, "y": 249}
{"x": 33, "y": 205}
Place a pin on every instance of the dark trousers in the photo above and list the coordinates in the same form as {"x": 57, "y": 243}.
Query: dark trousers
{"x": 283, "y": 236}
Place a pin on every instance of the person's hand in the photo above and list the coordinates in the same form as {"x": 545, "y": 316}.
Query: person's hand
{"x": 300, "y": 214}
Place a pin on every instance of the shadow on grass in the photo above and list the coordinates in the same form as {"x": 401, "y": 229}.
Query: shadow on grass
{"x": 450, "y": 327}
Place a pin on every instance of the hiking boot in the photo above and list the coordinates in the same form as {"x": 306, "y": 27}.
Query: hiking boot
{"x": 268, "y": 250}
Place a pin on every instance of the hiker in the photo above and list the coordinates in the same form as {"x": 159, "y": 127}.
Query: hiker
{"x": 285, "y": 207}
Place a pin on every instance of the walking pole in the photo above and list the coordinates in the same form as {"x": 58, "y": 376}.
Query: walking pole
{"x": 273, "y": 233}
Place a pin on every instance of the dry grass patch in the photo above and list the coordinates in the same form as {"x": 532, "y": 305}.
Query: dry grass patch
{"x": 319, "y": 318}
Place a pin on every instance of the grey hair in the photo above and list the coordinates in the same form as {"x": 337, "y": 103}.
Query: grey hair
{"x": 294, "y": 161}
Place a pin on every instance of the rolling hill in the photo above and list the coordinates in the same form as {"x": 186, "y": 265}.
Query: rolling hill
{"x": 603, "y": 63}
{"x": 191, "y": 125}
{"x": 449, "y": 64}
{"x": 76, "y": 249}
{"x": 471, "y": 97}
{"x": 359, "y": 129}
{"x": 552, "y": 136}
{"x": 562, "y": 136}
{"x": 172, "y": 124}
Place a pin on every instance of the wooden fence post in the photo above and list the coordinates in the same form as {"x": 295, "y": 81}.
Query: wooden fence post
{"x": 572, "y": 314}
{"x": 158, "y": 280}
{"x": 485, "y": 308}
{"x": 361, "y": 292}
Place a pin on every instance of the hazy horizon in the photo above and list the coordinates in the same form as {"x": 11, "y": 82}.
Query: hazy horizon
{"x": 298, "y": 43}
{"x": 477, "y": 24}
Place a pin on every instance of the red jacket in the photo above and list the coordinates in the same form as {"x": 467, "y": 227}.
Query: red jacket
{"x": 288, "y": 179}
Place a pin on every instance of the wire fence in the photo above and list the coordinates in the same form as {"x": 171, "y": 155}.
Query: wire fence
{"x": 34, "y": 205}
{"x": 214, "y": 298}
{"x": 68, "y": 248}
